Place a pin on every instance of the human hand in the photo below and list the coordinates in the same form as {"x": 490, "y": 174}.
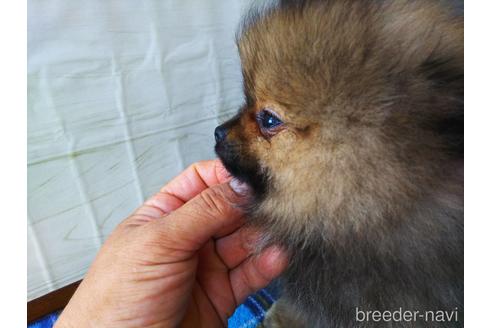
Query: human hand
{"x": 181, "y": 259}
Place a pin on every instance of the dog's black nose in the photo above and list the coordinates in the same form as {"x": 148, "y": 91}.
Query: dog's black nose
{"x": 220, "y": 133}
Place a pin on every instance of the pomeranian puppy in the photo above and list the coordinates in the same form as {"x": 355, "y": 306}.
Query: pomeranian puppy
{"x": 351, "y": 137}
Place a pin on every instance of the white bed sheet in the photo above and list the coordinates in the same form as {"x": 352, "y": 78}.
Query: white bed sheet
{"x": 122, "y": 95}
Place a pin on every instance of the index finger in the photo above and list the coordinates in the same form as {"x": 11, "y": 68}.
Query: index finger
{"x": 192, "y": 181}
{"x": 196, "y": 178}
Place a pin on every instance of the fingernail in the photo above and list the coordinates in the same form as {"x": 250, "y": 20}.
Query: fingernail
{"x": 239, "y": 187}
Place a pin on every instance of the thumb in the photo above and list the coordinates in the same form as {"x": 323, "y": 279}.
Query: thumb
{"x": 214, "y": 212}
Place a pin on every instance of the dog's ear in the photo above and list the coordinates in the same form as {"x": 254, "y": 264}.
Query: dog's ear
{"x": 431, "y": 35}
{"x": 445, "y": 75}
{"x": 442, "y": 44}
{"x": 444, "y": 71}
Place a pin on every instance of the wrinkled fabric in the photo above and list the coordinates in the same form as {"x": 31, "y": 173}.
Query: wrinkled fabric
{"x": 122, "y": 96}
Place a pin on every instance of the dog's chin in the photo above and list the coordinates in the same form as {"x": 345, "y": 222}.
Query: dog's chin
{"x": 244, "y": 168}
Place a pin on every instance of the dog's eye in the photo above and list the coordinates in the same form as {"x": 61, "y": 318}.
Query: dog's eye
{"x": 268, "y": 121}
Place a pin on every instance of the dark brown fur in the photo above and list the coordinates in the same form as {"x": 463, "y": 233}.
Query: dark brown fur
{"x": 363, "y": 183}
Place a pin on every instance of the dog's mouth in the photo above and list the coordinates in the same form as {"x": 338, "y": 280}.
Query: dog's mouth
{"x": 243, "y": 167}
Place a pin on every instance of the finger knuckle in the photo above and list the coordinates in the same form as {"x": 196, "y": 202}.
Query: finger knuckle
{"x": 197, "y": 164}
{"x": 214, "y": 201}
